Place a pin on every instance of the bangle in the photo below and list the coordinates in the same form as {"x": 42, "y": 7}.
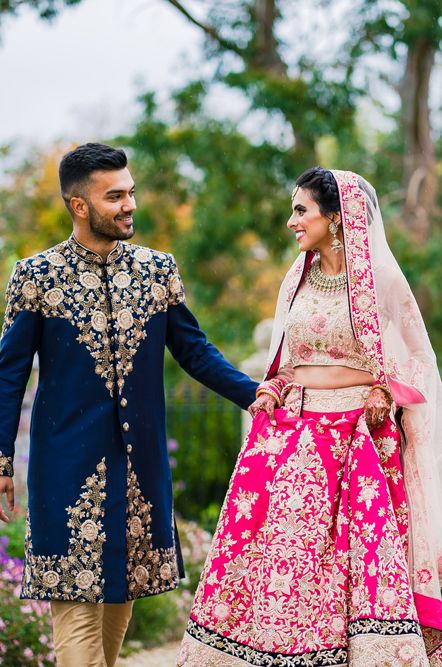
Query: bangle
{"x": 268, "y": 392}
{"x": 277, "y": 384}
{"x": 270, "y": 384}
{"x": 385, "y": 389}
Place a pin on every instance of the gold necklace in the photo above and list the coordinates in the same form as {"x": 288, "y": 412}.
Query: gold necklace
{"x": 324, "y": 282}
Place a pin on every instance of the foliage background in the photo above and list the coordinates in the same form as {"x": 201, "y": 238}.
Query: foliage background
{"x": 345, "y": 85}
{"x": 216, "y": 193}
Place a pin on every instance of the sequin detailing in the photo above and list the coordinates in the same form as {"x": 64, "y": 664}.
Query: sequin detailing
{"x": 317, "y": 572}
{"x": 149, "y": 570}
{"x": 6, "y": 465}
{"x": 319, "y": 332}
{"x": 371, "y": 642}
{"x": 78, "y": 575}
{"x": 108, "y": 302}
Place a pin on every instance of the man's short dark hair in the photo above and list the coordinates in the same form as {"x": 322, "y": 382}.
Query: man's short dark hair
{"x": 77, "y": 166}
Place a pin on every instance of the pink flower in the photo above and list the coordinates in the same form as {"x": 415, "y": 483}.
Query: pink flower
{"x": 318, "y": 323}
{"x": 336, "y": 353}
{"x": 338, "y": 624}
{"x": 364, "y": 301}
{"x": 389, "y": 597}
{"x": 406, "y": 652}
{"x": 424, "y": 576}
{"x": 28, "y": 653}
{"x": 305, "y": 351}
{"x": 274, "y": 445}
{"x": 222, "y": 611}
{"x": 356, "y": 597}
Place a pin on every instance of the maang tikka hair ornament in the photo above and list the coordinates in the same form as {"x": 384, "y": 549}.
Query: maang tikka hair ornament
{"x": 336, "y": 244}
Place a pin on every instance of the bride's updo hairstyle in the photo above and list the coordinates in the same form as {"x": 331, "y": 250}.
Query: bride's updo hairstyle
{"x": 323, "y": 188}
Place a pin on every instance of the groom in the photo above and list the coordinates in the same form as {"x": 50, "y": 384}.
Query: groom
{"x": 99, "y": 312}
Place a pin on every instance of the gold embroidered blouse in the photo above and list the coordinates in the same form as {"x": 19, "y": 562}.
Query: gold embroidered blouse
{"x": 319, "y": 331}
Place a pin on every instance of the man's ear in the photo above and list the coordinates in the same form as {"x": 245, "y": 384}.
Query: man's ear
{"x": 79, "y": 207}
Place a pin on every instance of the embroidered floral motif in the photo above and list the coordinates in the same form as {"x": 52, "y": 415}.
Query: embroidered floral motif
{"x": 395, "y": 651}
{"x": 371, "y": 642}
{"x": 109, "y": 303}
{"x": 360, "y": 272}
{"x": 244, "y": 502}
{"x": 433, "y": 643}
{"x": 325, "y": 549}
{"x": 149, "y": 570}
{"x": 6, "y": 465}
{"x": 318, "y": 331}
{"x": 77, "y": 576}
{"x": 204, "y": 647}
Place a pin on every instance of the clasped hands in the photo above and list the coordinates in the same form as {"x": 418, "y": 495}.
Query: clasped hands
{"x": 377, "y": 407}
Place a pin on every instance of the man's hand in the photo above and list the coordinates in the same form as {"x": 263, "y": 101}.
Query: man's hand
{"x": 267, "y": 404}
{"x": 7, "y": 488}
{"x": 377, "y": 408}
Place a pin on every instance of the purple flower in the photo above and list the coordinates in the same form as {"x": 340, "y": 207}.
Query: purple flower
{"x": 172, "y": 445}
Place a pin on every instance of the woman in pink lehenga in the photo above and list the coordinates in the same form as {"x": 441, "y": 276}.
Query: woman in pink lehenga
{"x": 328, "y": 544}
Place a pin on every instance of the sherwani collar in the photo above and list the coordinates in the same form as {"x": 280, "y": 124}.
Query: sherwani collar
{"x": 90, "y": 255}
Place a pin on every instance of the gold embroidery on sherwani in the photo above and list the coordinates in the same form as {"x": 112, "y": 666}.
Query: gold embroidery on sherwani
{"x": 108, "y": 303}
{"x": 77, "y": 576}
{"x": 149, "y": 570}
{"x": 6, "y": 465}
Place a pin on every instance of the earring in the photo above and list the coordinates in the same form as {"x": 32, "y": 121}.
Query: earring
{"x": 336, "y": 244}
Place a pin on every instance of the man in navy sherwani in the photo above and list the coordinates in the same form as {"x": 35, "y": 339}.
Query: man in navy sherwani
{"x": 99, "y": 312}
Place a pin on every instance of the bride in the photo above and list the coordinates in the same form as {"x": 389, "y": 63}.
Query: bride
{"x": 329, "y": 541}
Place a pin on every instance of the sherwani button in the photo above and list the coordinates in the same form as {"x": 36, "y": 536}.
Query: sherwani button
{"x": 123, "y": 402}
{"x": 125, "y": 426}
{"x": 129, "y": 449}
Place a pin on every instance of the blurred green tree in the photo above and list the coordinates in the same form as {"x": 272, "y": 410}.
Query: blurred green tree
{"x": 316, "y": 92}
{"x": 47, "y": 9}
{"x": 408, "y": 33}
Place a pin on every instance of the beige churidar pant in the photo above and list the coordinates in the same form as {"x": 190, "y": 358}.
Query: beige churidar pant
{"x": 87, "y": 634}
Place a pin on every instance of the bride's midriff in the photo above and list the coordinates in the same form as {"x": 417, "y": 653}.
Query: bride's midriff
{"x": 331, "y": 377}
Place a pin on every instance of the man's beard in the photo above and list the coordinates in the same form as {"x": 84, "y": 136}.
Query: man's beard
{"x": 106, "y": 227}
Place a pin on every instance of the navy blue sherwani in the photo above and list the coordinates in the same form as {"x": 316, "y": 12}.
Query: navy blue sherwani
{"x": 100, "y": 523}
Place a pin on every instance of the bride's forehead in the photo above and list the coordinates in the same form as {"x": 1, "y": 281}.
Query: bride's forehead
{"x": 302, "y": 196}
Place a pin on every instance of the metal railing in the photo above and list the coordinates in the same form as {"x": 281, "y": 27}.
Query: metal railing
{"x": 204, "y": 438}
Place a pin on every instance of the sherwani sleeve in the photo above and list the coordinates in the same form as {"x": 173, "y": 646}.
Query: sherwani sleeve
{"x": 202, "y": 360}
{"x": 19, "y": 341}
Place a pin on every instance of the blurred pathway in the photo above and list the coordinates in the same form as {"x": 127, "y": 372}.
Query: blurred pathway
{"x": 163, "y": 656}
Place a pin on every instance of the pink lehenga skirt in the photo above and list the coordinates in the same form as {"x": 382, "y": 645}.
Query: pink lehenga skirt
{"x": 308, "y": 565}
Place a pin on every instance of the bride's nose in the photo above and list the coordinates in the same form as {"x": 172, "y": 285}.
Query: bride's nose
{"x": 292, "y": 223}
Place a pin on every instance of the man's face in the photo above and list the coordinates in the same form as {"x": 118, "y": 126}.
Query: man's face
{"x": 111, "y": 203}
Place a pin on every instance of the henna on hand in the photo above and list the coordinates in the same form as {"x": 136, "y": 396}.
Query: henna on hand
{"x": 377, "y": 408}
{"x": 266, "y": 404}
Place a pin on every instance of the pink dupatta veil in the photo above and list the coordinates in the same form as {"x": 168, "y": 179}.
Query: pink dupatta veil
{"x": 388, "y": 325}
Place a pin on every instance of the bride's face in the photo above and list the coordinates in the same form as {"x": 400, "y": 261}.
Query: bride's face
{"x": 308, "y": 223}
